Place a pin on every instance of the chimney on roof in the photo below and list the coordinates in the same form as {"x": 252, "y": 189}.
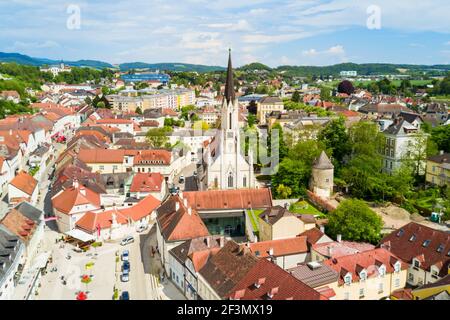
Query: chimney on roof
{"x": 208, "y": 242}
{"x": 222, "y": 241}
{"x": 271, "y": 252}
{"x": 177, "y": 206}
{"x": 272, "y": 292}
{"x": 330, "y": 251}
{"x": 189, "y": 210}
{"x": 75, "y": 184}
{"x": 322, "y": 229}
{"x": 259, "y": 282}
{"x": 339, "y": 238}
{"x": 10, "y": 132}
{"x": 185, "y": 203}
{"x": 83, "y": 191}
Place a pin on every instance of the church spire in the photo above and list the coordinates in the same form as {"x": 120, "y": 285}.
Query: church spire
{"x": 230, "y": 95}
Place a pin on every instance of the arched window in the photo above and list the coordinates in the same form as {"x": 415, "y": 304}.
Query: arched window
{"x": 244, "y": 182}
{"x": 230, "y": 180}
{"x": 230, "y": 121}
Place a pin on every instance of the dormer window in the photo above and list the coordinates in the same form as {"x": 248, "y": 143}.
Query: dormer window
{"x": 348, "y": 279}
{"x": 413, "y": 237}
{"x": 363, "y": 275}
{"x": 397, "y": 266}
{"x": 382, "y": 270}
{"x": 400, "y": 233}
{"x": 440, "y": 248}
{"x": 416, "y": 264}
{"x": 426, "y": 243}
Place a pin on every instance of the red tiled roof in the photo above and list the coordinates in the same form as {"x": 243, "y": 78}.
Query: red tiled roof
{"x": 281, "y": 247}
{"x": 154, "y": 156}
{"x": 114, "y": 121}
{"x": 101, "y": 155}
{"x": 402, "y": 243}
{"x": 75, "y": 196}
{"x": 147, "y": 182}
{"x": 312, "y": 235}
{"x": 143, "y": 208}
{"x": 342, "y": 248}
{"x": 273, "y": 281}
{"x": 24, "y": 182}
{"x": 18, "y": 224}
{"x": 176, "y": 225}
{"x": 367, "y": 260}
{"x": 229, "y": 199}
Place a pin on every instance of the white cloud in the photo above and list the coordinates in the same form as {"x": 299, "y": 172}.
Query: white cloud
{"x": 265, "y": 38}
{"x": 241, "y": 25}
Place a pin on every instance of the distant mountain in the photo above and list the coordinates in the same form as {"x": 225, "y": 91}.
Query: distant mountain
{"x": 255, "y": 66}
{"x": 24, "y": 59}
{"x": 362, "y": 69}
{"x": 169, "y": 67}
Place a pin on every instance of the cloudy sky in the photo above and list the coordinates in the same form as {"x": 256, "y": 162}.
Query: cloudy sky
{"x": 274, "y": 32}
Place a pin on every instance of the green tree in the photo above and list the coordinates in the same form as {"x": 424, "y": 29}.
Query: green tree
{"x": 441, "y": 136}
{"x": 284, "y": 191}
{"x": 335, "y": 137}
{"x": 293, "y": 174}
{"x": 138, "y": 110}
{"x": 355, "y": 221}
{"x": 296, "y": 96}
{"x": 158, "y": 137}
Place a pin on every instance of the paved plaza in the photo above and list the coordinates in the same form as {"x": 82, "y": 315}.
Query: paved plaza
{"x": 105, "y": 272}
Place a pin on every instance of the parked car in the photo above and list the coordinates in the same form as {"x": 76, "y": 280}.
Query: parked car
{"x": 142, "y": 228}
{"x": 125, "y": 277}
{"x": 125, "y": 296}
{"x": 127, "y": 240}
{"x": 126, "y": 266}
{"x": 125, "y": 255}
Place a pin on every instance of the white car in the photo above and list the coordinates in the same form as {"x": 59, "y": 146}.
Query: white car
{"x": 125, "y": 277}
{"x": 125, "y": 255}
{"x": 126, "y": 240}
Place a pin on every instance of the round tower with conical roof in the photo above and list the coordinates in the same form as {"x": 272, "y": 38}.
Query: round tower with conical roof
{"x": 321, "y": 182}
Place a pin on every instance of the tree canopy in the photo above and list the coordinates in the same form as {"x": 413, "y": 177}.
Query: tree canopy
{"x": 355, "y": 221}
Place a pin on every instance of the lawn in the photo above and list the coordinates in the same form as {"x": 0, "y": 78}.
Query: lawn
{"x": 304, "y": 207}
{"x": 253, "y": 215}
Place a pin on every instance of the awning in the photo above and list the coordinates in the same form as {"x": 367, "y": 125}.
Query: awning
{"x": 80, "y": 235}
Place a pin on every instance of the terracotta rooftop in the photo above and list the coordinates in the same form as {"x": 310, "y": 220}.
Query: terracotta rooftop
{"x": 75, "y": 196}
{"x": 19, "y": 225}
{"x": 147, "y": 182}
{"x": 267, "y": 281}
{"x": 162, "y": 157}
{"x": 24, "y": 182}
{"x": 278, "y": 248}
{"x": 176, "y": 225}
{"x": 91, "y": 220}
{"x": 229, "y": 199}
{"x": 198, "y": 250}
{"x": 366, "y": 260}
{"x": 415, "y": 240}
{"x": 339, "y": 249}
{"x": 101, "y": 155}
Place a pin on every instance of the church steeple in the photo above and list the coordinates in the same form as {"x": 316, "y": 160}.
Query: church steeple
{"x": 230, "y": 95}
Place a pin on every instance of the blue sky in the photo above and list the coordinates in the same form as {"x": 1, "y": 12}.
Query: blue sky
{"x": 274, "y": 32}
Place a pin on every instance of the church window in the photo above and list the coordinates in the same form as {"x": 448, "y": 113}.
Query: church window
{"x": 230, "y": 121}
{"x": 244, "y": 182}
{"x": 216, "y": 182}
{"x": 230, "y": 181}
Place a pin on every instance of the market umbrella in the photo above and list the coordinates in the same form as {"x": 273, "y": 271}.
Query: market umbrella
{"x": 82, "y": 296}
